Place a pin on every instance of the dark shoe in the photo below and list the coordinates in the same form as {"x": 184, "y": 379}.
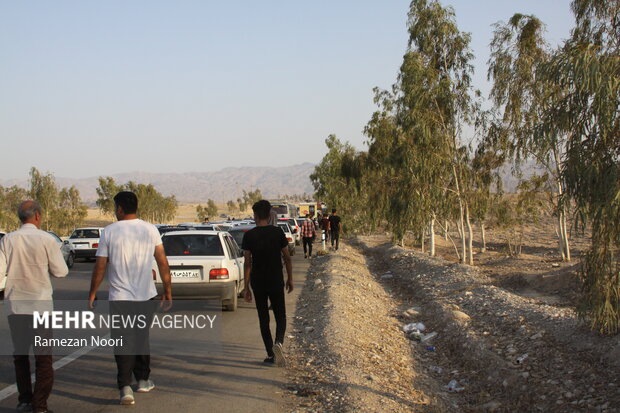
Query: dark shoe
{"x": 279, "y": 355}
{"x": 269, "y": 360}
{"x": 24, "y": 407}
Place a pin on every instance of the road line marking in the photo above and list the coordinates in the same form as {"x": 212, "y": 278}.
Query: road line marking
{"x": 12, "y": 389}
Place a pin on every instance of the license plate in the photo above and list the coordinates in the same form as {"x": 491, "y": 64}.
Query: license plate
{"x": 80, "y": 246}
{"x": 185, "y": 273}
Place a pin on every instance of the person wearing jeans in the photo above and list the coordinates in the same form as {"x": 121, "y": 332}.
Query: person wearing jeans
{"x": 126, "y": 251}
{"x": 265, "y": 246}
{"x": 308, "y": 232}
{"x": 28, "y": 257}
{"x": 335, "y": 225}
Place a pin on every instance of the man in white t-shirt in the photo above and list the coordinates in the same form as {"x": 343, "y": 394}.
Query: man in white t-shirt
{"x": 125, "y": 253}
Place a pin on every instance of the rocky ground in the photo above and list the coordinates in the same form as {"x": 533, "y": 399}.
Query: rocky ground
{"x": 494, "y": 350}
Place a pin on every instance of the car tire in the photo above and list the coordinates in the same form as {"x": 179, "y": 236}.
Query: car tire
{"x": 70, "y": 260}
{"x": 231, "y": 304}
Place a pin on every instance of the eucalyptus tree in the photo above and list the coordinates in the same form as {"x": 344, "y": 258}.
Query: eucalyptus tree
{"x": 438, "y": 63}
{"x": 518, "y": 49}
{"x": 43, "y": 189}
{"x": 585, "y": 107}
{"x": 10, "y": 198}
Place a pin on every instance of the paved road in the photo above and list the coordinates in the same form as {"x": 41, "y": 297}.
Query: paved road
{"x": 232, "y": 378}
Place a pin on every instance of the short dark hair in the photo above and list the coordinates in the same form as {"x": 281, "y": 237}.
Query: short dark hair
{"x": 262, "y": 209}
{"x": 307, "y": 215}
{"x": 126, "y": 200}
{"x": 334, "y": 211}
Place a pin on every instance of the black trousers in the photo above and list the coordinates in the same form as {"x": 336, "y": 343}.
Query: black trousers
{"x": 133, "y": 357}
{"x": 335, "y": 238}
{"x": 22, "y": 335}
{"x": 307, "y": 241}
{"x": 276, "y": 298}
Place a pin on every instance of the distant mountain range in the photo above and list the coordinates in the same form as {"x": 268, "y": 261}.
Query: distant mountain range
{"x": 194, "y": 187}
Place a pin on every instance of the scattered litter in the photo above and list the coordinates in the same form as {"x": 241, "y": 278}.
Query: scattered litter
{"x": 521, "y": 359}
{"x": 387, "y": 276}
{"x": 555, "y": 265}
{"x": 318, "y": 281}
{"x": 309, "y": 329}
{"x": 428, "y": 336}
{"x": 435, "y": 369}
{"x": 430, "y": 348}
{"x": 453, "y": 387}
{"x": 416, "y": 335}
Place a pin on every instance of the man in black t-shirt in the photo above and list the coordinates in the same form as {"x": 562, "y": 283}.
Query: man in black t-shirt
{"x": 334, "y": 225}
{"x": 264, "y": 248}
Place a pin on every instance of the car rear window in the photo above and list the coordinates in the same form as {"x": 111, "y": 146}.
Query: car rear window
{"x": 190, "y": 244}
{"x": 85, "y": 233}
{"x": 284, "y": 227}
{"x": 238, "y": 235}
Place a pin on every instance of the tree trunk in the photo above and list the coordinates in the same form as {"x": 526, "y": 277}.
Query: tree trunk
{"x": 484, "y": 237}
{"x": 564, "y": 247}
{"x": 445, "y": 231}
{"x": 470, "y": 238}
{"x": 565, "y": 236}
{"x": 432, "y": 237}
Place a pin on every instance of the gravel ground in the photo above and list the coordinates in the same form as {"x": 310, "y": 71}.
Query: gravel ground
{"x": 506, "y": 352}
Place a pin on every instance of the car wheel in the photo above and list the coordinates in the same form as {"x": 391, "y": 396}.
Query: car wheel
{"x": 70, "y": 260}
{"x": 231, "y": 304}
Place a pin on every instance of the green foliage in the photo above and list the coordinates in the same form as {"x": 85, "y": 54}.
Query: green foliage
{"x": 232, "y": 207}
{"x": 10, "y": 198}
{"x": 207, "y": 211}
{"x": 152, "y": 205}
{"x": 248, "y": 199}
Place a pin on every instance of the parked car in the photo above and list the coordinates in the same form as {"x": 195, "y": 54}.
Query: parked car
{"x": 85, "y": 242}
{"x": 289, "y": 236}
{"x": 65, "y": 248}
{"x": 204, "y": 264}
{"x": 238, "y": 233}
{"x": 295, "y": 229}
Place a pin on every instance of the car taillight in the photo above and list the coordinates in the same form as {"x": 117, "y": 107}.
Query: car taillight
{"x": 96, "y": 245}
{"x": 289, "y": 239}
{"x": 218, "y": 274}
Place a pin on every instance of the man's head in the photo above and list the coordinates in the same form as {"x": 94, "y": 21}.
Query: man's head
{"x": 29, "y": 212}
{"x": 261, "y": 210}
{"x": 307, "y": 216}
{"x": 334, "y": 211}
{"x": 125, "y": 203}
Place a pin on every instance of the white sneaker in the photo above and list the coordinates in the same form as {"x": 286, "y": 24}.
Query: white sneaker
{"x": 145, "y": 386}
{"x": 127, "y": 396}
{"x": 278, "y": 355}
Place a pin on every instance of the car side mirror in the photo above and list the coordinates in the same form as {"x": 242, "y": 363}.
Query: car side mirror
{"x": 66, "y": 242}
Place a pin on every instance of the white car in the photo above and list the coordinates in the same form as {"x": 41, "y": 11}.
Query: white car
{"x": 66, "y": 249}
{"x": 203, "y": 264}
{"x": 3, "y": 282}
{"x": 289, "y": 236}
{"x": 85, "y": 242}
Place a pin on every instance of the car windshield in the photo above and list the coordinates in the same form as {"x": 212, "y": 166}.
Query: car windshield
{"x": 85, "y": 233}
{"x": 192, "y": 244}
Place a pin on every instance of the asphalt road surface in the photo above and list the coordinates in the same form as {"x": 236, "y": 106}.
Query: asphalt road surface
{"x": 230, "y": 379}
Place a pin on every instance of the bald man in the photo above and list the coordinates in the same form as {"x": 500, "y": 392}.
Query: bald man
{"x": 28, "y": 257}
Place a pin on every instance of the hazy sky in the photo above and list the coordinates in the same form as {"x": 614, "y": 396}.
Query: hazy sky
{"x": 93, "y": 88}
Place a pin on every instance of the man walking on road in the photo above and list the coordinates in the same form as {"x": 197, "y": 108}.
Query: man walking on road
{"x": 265, "y": 246}
{"x": 334, "y": 224}
{"x": 126, "y": 251}
{"x": 308, "y": 232}
{"x": 28, "y": 257}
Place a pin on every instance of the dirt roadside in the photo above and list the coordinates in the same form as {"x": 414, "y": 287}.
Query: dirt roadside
{"x": 349, "y": 352}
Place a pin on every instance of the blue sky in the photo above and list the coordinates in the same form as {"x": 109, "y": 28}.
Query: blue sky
{"x": 97, "y": 88}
